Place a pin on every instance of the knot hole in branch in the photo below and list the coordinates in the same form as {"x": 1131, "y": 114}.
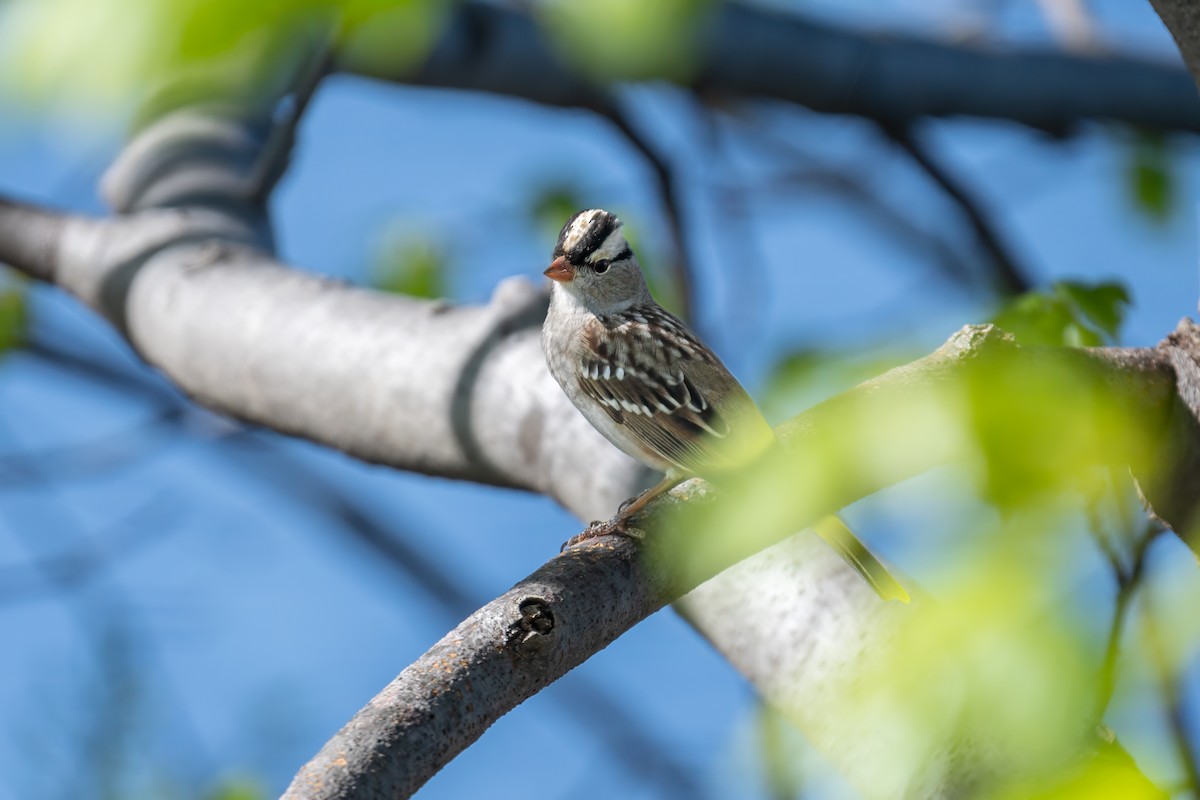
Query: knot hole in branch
{"x": 529, "y": 634}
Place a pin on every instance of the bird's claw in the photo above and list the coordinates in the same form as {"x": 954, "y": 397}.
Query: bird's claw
{"x": 617, "y": 526}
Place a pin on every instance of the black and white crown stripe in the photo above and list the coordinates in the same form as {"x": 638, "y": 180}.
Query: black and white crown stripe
{"x": 588, "y": 232}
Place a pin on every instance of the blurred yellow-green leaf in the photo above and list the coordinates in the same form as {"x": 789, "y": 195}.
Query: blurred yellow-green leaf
{"x": 551, "y": 207}
{"x": 803, "y": 377}
{"x": 994, "y": 667}
{"x": 390, "y": 35}
{"x": 1108, "y": 775}
{"x": 102, "y": 54}
{"x": 239, "y": 789}
{"x": 413, "y": 266}
{"x": 627, "y": 39}
{"x": 1043, "y": 427}
{"x": 14, "y": 317}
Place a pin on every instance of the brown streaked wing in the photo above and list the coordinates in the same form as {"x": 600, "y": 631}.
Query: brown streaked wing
{"x": 641, "y": 366}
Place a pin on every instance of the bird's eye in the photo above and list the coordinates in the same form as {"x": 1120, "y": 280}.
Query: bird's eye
{"x": 601, "y": 266}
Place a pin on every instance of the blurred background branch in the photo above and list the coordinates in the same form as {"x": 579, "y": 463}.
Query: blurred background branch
{"x": 752, "y": 51}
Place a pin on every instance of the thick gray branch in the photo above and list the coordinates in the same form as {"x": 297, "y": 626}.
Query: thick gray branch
{"x": 460, "y": 392}
{"x": 585, "y": 598}
{"x": 29, "y": 238}
{"x": 754, "y": 52}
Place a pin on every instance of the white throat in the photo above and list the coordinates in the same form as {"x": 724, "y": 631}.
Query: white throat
{"x": 567, "y": 300}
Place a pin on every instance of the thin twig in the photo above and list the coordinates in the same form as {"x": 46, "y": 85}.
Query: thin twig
{"x": 101, "y": 455}
{"x": 83, "y": 614}
{"x": 1011, "y": 276}
{"x": 88, "y": 556}
{"x": 1172, "y": 687}
{"x": 276, "y": 151}
{"x": 1129, "y": 578}
{"x": 131, "y": 379}
{"x": 671, "y": 193}
{"x": 850, "y": 181}
{"x": 747, "y": 290}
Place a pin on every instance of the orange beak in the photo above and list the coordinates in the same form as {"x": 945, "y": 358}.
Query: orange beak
{"x": 560, "y": 270}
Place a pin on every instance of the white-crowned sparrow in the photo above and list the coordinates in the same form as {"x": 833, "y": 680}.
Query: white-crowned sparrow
{"x": 644, "y": 380}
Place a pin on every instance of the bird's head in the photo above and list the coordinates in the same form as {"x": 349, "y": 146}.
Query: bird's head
{"x": 594, "y": 263}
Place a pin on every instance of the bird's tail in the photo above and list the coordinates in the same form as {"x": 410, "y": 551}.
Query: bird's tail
{"x": 856, "y": 554}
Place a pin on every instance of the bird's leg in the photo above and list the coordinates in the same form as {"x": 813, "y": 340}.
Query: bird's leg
{"x": 619, "y": 525}
{"x": 633, "y": 505}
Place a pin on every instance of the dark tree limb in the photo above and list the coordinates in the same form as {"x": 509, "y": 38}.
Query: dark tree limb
{"x": 751, "y": 51}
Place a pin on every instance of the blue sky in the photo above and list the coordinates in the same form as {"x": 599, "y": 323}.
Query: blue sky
{"x": 251, "y": 626}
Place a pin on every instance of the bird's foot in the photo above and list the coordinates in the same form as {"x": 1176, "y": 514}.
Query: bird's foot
{"x": 617, "y": 526}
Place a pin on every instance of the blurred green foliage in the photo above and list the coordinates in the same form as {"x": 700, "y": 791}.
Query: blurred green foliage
{"x": 805, "y": 376}
{"x": 1068, "y": 313}
{"x": 627, "y": 39}
{"x": 1001, "y": 666}
{"x": 551, "y": 206}
{"x": 1150, "y": 175}
{"x": 100, "y": 55}
{"x": 239, "y": 789}
{"x": 1045, "y": 427}
{"x": 1100, "y": 778}
{"x": 990, "y": 669}
{"x": 411, "y": 265}
{"x": 14, "y": 316}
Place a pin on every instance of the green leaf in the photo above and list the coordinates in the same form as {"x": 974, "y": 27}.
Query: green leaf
{"x": 412, "y": 266}
{"x": 1067, "y": 314}
{"x": 1151, "y": 175}
{"x": 1101, "y": 304}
